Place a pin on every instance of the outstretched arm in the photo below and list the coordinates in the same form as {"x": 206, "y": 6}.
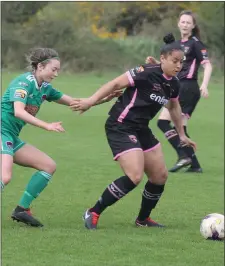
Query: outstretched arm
{"x": 102, "y": 93}
{"x": 67, "y": 100}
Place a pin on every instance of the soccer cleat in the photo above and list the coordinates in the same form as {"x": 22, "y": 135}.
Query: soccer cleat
{"x": 183, "y": 162}
{"x": 148, "y": 222}
{"x": 194, "y": 170}
{"x": 24, "y": 216}
{"x": 90, "y": 220}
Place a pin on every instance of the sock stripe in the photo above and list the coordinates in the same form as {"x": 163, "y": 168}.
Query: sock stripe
{"x": 151, "y": 196}
{"x": 113, "y": 193}
{"x": 46, "y": 175}
{"x": 170, "y": 134}
{"x": 118, "y": 189}
{"x": 2, "y": 185}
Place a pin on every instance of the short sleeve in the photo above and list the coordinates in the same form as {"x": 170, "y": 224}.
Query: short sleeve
{"x": 136, "y": 75}
{"x": 54, "y": 94}
{"x": 19, "y": 91}
{"x": 201, "y": 52}
{"x": 175, "y": 90}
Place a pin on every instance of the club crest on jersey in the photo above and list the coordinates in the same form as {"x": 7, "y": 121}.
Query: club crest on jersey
{"x": 133, "y": 138}
{"x": 20, "y": 94}
{"x": 139, "y": 69}
{"x": 186, "y": 49}
{"x": 44, "y": 97}
{"x": 9, "y": 145}
{"x": 156, "y": 87}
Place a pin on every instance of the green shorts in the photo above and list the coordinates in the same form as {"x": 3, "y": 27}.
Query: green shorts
{"x": 10, "y": 143}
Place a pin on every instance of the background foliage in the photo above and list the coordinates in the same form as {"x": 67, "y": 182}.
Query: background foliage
{"x": 102, "y": 35}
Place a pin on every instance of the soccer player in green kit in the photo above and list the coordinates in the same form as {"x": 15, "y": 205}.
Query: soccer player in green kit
{"x": 20, "y": 104}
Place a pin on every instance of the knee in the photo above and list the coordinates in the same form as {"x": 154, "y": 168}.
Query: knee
{"x": 160, "y": 178}
{"x": 49, "y": 167}
{"x": 6, "y": 178}
{"x": 135, "y": 175}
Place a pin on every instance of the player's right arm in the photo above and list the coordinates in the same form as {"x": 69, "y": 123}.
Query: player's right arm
{"x": 133, "y": 77}
{"x": 106, "y": 90}
{"x": 21, "y": 113}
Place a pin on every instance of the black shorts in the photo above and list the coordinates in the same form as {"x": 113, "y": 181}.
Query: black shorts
{"x": 189, "y": 96}
{"x": 123, "y": 138}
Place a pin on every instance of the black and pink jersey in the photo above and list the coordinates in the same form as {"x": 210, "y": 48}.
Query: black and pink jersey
{"x": 195, "y": 54}
{"x": 149, "y": 91}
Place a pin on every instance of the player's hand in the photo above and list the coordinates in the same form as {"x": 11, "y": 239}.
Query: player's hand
{"x": 82, "y": 104}
{"x": 151, "y": 60}
{"x": 55, "y": 126}
{"x": 186, "y": 141}
{"x": 204, "y": 91}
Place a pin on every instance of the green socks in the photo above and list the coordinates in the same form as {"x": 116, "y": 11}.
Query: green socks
{"x": 36, "y": 185}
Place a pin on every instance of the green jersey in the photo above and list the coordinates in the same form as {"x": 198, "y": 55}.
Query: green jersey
{"x": 25, "y": 89}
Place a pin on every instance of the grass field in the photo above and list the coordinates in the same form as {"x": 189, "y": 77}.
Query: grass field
{"x": 85, "y": 168}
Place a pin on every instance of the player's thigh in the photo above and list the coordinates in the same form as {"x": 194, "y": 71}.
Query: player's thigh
{"x": 164, "y": 115}
{"x": 155, "y": 167}
{"x": 29, "y": 156}
{"x": 132, "y": 164}
{"x": 6, "y": 164}
{"x": 126, "y": 148}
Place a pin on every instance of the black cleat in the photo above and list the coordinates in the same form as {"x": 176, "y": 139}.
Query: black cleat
{"x": 24, "y": 216}
{"x": 148, "y": 222}
{"x": 194, "y": 170}
{"x": 90, "y": 220}
{"x": 181, "y": 163}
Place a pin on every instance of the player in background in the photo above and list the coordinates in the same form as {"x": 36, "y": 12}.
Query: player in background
{"x": 20, "y": 104}
{"x": 148, "y": 88}
{"x": 195, "y": 54}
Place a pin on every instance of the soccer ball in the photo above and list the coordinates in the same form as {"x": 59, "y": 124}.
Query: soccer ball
{"x": 212, "y": 226}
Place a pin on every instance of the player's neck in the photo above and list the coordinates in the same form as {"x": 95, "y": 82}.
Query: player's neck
{"x": 38, "y": 79}
{"x": 185, "y": 37}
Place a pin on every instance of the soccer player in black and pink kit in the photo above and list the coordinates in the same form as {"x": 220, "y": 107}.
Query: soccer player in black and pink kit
{"x": 148, "y": 88}
{"x": 195, "y": 54}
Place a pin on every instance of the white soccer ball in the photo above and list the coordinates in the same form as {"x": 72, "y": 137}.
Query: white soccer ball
{"x": 212, "y": 226}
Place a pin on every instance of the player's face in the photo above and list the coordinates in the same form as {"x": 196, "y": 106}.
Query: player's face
{"x": 186, "y": 24}
{"x": 50, "y": 71}
{"x": 172, "y": 63}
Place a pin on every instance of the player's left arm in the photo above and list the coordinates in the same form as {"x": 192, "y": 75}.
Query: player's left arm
{"x": 203, "y": 58}
{"x": 67, "y": 100}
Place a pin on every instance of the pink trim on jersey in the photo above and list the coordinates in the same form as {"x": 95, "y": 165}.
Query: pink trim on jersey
{"x": 174, "y": 99}
{"x": 166, "y": 77}
{"x": 123, "y": 152}
{"x": 184, "y": 40}
{"x": 204, "y": 61}
{"x": 192, "y": 69}
{"x": 130, "y": 78}
{"x": 187, "y": 115}
{"x": 153, "y": 148}
{"x": 127, "y": 109}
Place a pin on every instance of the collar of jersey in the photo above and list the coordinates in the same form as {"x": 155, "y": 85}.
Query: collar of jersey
{"x": 36, "y": 83}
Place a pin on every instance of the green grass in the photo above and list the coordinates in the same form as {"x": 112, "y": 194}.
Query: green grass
{"x": 85, "y": 168}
